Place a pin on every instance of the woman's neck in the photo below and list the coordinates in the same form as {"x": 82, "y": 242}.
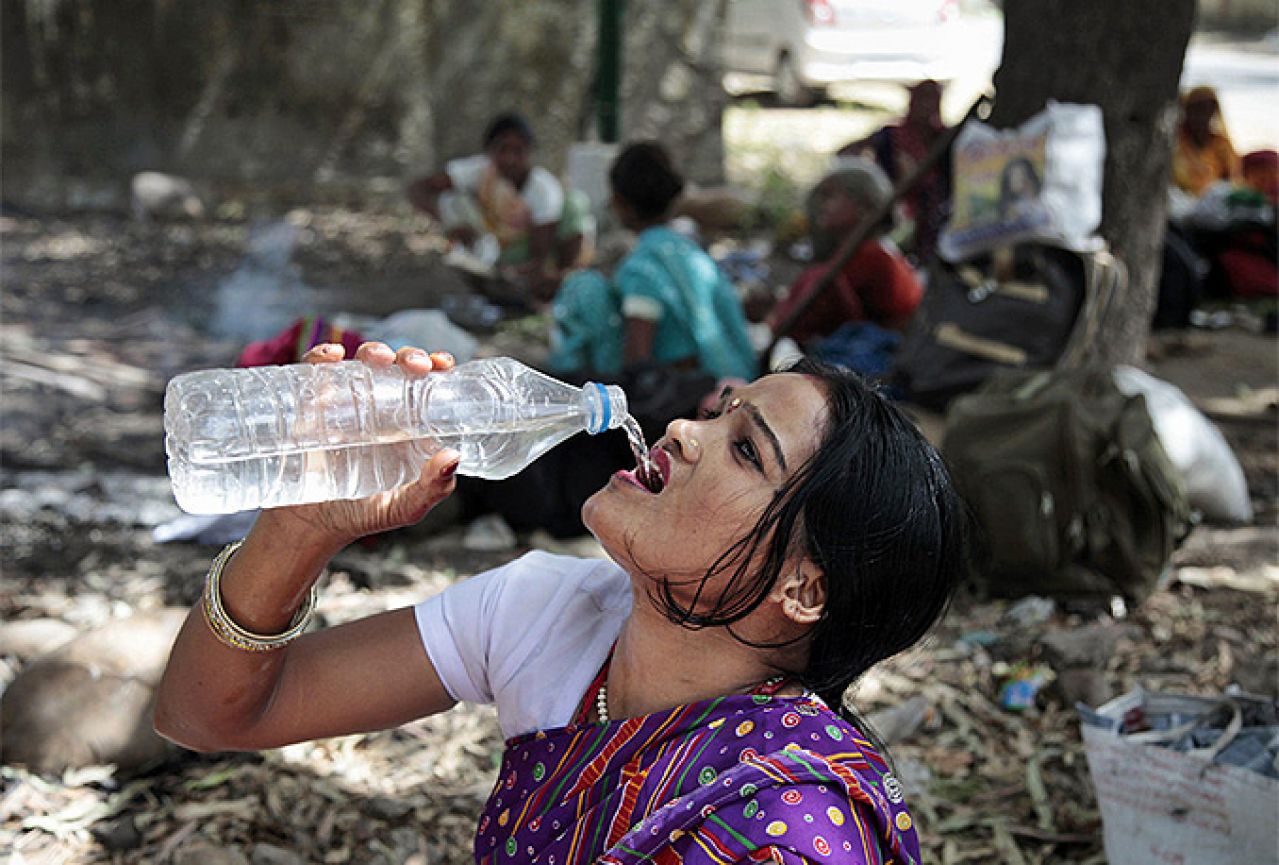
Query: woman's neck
{"x": 658, "y": 665}
{"x": 1199, "y": 136}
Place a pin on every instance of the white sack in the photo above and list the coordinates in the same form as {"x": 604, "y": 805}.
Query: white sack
{"x": 1214, "y": 479}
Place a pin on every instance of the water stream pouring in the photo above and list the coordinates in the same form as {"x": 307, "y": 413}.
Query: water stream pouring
{"x": 645, "y": 471}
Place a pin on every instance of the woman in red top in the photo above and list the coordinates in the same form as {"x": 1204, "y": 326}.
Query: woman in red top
{"x": 875, "y": 285}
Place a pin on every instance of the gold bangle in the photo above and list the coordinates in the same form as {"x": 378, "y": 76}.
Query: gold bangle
{"x": 229, "y": 632}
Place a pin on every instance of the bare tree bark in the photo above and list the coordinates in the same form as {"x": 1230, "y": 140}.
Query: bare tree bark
{"x": 1125, "y": 57}
{"x": 673, "y": 87}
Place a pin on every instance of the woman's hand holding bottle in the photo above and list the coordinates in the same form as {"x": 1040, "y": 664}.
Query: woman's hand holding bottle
{"x": 337, "y": 523}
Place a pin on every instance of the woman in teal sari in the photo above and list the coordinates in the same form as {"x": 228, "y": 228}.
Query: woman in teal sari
{"x": 680, "y": 703}
{"x": 668, "y": 302}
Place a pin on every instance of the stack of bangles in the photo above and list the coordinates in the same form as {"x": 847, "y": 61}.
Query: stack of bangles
{"x": 229, "y": 632}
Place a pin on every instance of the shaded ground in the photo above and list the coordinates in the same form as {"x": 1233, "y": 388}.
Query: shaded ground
{"x": 97, "y": 314}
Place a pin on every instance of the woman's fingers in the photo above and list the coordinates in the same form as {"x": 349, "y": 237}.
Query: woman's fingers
{"x": 325, "y": 352}
{"x": 441, "y": 470}
{"x": 414, "y": 360}
{"x": 375, "y": 354}
{"x": 410, "y": 503}
{"x": 418, "y": 362}
{"x": 411, "y": 358}
{"x": 436, "y": 483}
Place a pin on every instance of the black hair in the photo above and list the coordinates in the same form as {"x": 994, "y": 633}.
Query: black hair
{"x": 875, "y": 509}
{"x": 507, "y": 122}
{"x": 1006, "y": 195}
{"x": 643, "y": 176}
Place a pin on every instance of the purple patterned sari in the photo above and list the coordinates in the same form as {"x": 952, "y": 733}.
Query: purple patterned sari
{"x": 747, "y": 778}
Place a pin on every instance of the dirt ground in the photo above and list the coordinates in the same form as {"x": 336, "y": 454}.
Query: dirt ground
{"x": 97, "y": 312}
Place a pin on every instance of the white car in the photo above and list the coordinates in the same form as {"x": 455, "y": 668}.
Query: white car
{"x": 806, "y": 45}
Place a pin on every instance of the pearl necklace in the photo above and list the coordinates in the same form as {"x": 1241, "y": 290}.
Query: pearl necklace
{"x": 601, "y": 696}
{"x": 601, "y": 702}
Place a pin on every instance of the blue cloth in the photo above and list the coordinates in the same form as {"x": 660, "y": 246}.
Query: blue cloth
{"x": 700, "y": 312}
{"x": 587, "y": 333}
{"x": 860, "y": 346}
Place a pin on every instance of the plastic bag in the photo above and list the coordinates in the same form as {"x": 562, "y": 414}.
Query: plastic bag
{"x": 428, "y": 328}
{"x": 1215, "y": 483}
{"x": 1185, "y": 779}
{"x": 1041, "y": 181}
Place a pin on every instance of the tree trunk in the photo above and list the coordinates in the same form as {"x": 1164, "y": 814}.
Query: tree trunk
{"x": 1125, "y": 57}
{"x": 672, "y": 86}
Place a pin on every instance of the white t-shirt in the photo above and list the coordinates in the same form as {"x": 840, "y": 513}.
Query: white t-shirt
{"x": 529, "y": 636}
{"x": 542, "y": 192}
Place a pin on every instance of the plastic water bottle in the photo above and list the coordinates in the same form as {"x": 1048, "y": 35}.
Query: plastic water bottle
{"x": 267, "y": 436}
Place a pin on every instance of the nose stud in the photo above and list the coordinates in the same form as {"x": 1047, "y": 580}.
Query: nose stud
{"x": 736, "y": 403}
{"x": 695, "y": 444}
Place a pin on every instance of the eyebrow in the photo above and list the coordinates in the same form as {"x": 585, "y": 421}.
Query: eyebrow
{"x": 757, "y": 417}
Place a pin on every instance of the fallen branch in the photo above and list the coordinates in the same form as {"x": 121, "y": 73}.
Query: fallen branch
{"x": 77, "y": 386}
{"x": 101, "y": 370}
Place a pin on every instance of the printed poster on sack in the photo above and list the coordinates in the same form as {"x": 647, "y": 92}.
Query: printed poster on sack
{"x": 1039, "y": 182}
{"x": 997, "y": 190}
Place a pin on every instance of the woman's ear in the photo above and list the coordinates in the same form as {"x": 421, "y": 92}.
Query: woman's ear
{"x": 801, "y": 593}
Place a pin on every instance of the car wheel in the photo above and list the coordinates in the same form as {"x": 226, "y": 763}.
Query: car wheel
{"x": 791, "y": 91}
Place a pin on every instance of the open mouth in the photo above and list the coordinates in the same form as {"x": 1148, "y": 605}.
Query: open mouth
{"x": 650, "y": 477}
{"x": 658, "y": 471}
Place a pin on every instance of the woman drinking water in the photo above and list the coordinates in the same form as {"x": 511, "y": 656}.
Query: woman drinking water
{"x": 682, "y": 702}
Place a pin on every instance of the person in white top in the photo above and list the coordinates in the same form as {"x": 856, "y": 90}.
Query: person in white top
{"x": 658, "y": 704}
{"x": 509, "y": 211}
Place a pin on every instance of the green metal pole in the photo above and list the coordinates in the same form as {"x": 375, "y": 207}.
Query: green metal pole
{"x": 608, "y": 80}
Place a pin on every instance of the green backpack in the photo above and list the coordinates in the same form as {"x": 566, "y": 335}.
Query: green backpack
{"x": 1068, "y": 483}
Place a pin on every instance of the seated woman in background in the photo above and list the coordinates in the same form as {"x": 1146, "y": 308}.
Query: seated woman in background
{"x": 683, "y": 702}
{"x": 536, "y": 226}
{"x": 876, "y": 284}
{"x": 1203, "y": 154}
{"x": 667, "y": 327}
{"x": 668, "y": 303}
{"x": 1202, "y": 157}
{"x": 1220, "y": 240}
